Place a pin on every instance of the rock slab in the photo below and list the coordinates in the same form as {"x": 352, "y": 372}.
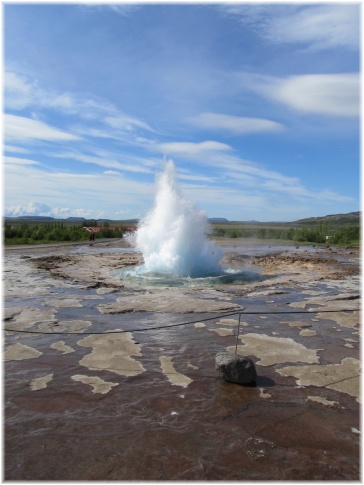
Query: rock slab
{"x": 235, "y": 368}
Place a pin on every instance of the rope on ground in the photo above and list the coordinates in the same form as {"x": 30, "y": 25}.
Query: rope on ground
{"x": 200, "y": 320}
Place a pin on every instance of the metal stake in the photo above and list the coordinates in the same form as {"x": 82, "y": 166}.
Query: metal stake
{"x": 237, "y": 335}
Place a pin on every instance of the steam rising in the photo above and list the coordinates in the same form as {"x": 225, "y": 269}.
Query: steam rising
{"x": 172, "y": 236}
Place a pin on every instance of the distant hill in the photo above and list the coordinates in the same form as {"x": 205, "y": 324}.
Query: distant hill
{"x": 69, "y": 219}
{"x": 36, "y": 218}
{"x": 349, "y": 219}
{"x": 218, "y": 219}
{"x": 336, "y": 219}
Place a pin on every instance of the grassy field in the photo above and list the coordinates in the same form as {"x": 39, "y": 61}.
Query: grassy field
{"x": 339, "y": 230}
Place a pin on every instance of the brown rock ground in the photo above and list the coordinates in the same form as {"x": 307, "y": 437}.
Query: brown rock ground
{"x": 91, "y": 397}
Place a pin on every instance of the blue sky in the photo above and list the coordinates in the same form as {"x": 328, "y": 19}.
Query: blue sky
{"x": 256, "y": 104}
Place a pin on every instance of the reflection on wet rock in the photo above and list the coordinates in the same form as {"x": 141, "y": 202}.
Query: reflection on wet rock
{"x": 223, "y": 332}
{"x": 343, "y": 377}
{"x": 323, "y": 401}
{"x": 123, "y": 409}
{"x": 64, "y": 326}
{"x": 40, "y": 382}
{"x": 307, "y": 333}
{"x": 99, "y": 386}
{"x": 112, "y": 352}
{"x": 348, "y": 320}
{"x": 174, "y": 377}
{"x": 21, "y": 352}
{"x": 274, "y": 350}
{"x": 176, "y": 301}
{"x": 25, "y": 318}
{"x": 65, "y": 302}
{"x": 62, "y": 347}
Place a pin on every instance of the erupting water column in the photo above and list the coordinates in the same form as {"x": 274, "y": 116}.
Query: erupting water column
{"x": 172, "y": 236}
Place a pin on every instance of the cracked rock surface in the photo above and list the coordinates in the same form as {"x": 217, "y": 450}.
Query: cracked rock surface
{"x": 108, "y": 380}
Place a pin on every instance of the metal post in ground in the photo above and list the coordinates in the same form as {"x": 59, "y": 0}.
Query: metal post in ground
{"x": 237, "y": 335}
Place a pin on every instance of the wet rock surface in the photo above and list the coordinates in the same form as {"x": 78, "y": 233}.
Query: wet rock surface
{"x": 104, "y": 380}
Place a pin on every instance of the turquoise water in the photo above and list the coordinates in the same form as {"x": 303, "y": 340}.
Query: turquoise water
{"x": 140, "y": 276}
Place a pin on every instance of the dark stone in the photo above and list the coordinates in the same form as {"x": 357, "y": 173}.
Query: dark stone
{"x": 235, "y": 368}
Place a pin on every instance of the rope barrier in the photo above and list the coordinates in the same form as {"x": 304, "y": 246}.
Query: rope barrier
{"x": 180, "y": 323}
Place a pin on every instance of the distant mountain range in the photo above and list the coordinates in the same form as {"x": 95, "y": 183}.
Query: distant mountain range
{"x": 221, "y": 220}
{"x": 350, "y": 216}
{"x": 217, "y": 219}
{"x": 336, "y": 219}
{"x": 75, "y": 219}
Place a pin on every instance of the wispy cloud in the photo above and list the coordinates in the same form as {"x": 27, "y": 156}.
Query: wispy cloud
{"x": 32, "y": 208}
{"x": 317, "y": 27}
{"x": 94, "y": 191}
{"x": 232, "y": 92}
{"x": 236, "y": 125}
{"x": 188, "y": 149}
{"x": 18, "y": 91}
{"x": 127, "y": 123}
{"x": 106, "y": 159}
{"x": 36, "y": 208}
{"x": 320, "y": 94}
{"x": 18, "y": 128}
{"x": 242, "y": 175}
{"x": 22, "y": 92}
{"x": 15, "y": 149}
{"x": 124, "y": 10}
{"x": 186, "y": 175}
{"x": 19, "y": 161}
{"x": 112, "y": 173}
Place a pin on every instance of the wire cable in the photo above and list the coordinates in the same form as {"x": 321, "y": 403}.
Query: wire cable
{"x": 159, "y": 327}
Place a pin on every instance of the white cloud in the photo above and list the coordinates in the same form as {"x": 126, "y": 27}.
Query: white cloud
{"x": 329, "y": 195}
{"x": 224, "y": 197}
{"x": 95, "y": 192}
{"x": 320, "y": 94}
{"x": 18, "y": 128}
{"x": 191, "y": 149}
{"x": 18, "y": 91}
{"x": 35, "y": 208}
{"x": 19, "y": 161}
{"x": 92, "y": 159}
{"x": 111, "y": 172}
{"x": 14, "y": 149}
{"x": 122, "y": 9}
{"x": 316, "y": 27}
{"x": 326, "y": 94}
{"x": 186, "y": 175}
{"x": 237, "y": 125}
{"x": 21, "y": 92}
{"x": 322, "y": 27}
{"x": 127, "y": 123}
{"x": 105, "y": 159}
{"x": 243, "y": 175}
{"x": 32, "y": 209}
{"x": 122, "y": 212}
{"x": 236, "y": 186}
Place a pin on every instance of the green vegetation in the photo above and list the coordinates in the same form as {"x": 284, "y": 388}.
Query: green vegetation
{"x": 319, "y": 233}
{"x": 39, "y": 232}
{"x": 341, "y": 229}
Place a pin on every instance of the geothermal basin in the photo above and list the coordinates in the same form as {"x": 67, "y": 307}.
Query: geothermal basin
{"x": 109, "y": 379}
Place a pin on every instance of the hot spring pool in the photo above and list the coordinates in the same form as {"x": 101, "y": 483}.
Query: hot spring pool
{"x": 140, "y": 276}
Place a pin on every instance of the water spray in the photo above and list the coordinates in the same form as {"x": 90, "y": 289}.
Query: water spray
{"x": 173, "y": 236}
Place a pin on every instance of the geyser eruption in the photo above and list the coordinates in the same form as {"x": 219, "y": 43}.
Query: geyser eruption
{"x": 172, "y": 236}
